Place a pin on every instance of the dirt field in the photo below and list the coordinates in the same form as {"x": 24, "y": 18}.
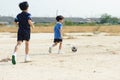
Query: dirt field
{"x": 97, "y": 58}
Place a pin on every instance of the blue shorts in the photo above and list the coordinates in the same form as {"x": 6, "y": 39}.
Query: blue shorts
{"x": 23, "y": 35}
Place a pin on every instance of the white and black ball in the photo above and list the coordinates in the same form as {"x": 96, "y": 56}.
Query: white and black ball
{"x": 74, "y": 49}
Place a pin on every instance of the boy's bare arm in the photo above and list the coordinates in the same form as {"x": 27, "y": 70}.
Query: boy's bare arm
{"x": 61, "y": 33}
{"x": 31, "y": 23}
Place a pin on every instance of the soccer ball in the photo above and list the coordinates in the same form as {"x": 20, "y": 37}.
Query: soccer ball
{"x": 74, "y": 49}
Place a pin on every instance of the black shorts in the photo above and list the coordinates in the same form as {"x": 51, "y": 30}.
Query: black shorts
{"x": 23, "y": 35}
{"x": 57, "y": 40}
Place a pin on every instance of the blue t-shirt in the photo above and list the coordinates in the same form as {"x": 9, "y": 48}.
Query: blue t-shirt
{"x": 57, "y": 28}
{"x": 22, "y": 19}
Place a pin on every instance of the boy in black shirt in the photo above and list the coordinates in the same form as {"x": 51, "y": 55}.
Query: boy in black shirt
{"x": 23, "y": 20}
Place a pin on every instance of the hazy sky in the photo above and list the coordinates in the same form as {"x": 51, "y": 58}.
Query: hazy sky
{"x": 72, "y": 8}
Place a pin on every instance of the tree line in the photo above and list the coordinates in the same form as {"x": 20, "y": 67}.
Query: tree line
{"x": 105, "y": 19}
{"x": 108, "y": 19}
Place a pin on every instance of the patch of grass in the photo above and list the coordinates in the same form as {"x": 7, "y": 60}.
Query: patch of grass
{"x": 67, "y": 29}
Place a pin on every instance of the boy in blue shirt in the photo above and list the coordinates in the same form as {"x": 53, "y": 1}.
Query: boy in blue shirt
{"x": 58, "y": 33}
{"x": 24, "y": 21}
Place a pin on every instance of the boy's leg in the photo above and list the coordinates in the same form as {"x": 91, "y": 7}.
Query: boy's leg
{"x": 54, "y": 44}
{"x": 60, "y": 47}
{"x": 15, "y": 50}
{"x": 17, "y": 46}
{"x": 26, "y": 47}
{"x": 50, "y": 48}
{"x": 27, "y": 51}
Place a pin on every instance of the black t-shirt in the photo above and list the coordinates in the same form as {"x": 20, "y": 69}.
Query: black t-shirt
{"x": 22, "y": 19}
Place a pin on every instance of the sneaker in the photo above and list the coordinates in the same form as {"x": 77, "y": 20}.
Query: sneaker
{"x": 50, "y": 49}
{"x": 13, "y": 59}
{"x": 27, "y": 58}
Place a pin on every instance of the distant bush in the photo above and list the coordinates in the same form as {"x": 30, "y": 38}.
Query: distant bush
{"x": 69, "y": 23}
{"x": 108, "y": 19}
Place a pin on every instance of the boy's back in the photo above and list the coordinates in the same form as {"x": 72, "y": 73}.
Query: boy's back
{"x": 23, "y": 18}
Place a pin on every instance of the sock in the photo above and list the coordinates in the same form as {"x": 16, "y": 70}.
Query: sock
{"x": 14, "y": 54}
{"x": 27, "y": 58}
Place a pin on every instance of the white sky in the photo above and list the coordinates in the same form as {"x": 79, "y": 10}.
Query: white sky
{"x": 67, "y": 8}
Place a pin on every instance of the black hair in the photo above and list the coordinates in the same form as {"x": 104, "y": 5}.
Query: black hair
{"x": 24, "y": 5}
{"x": 60, "y": 17}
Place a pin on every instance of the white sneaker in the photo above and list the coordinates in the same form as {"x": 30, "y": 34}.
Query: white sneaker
{"x": 27, "y": 58}
{"x": 50, "y": 49}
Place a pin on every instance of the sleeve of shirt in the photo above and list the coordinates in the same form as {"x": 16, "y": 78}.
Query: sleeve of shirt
{"x": 16, "y": 19}
{"x": 29, "y": 17}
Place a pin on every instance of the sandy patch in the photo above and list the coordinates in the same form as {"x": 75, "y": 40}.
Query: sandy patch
{"x": 97, "y": 58}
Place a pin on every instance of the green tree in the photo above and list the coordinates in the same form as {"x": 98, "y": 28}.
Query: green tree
{"x": 115, "y": 20}
{"x": 105, "y": 18}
